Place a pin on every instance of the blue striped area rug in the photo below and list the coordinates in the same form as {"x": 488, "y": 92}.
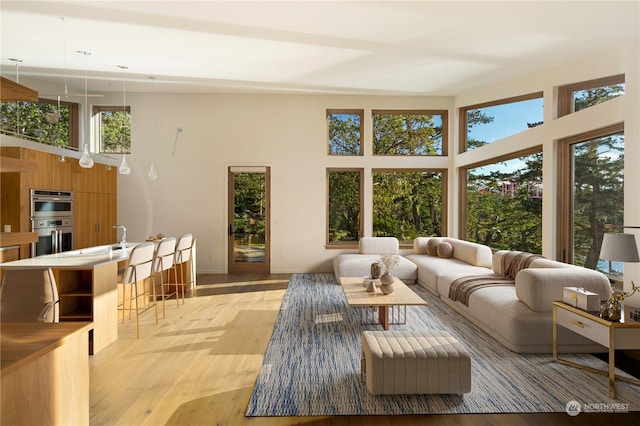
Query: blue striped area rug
{"x": 312, "y": 365}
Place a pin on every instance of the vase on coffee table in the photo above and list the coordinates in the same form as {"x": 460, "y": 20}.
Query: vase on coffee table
{"x": 386, "y": 283}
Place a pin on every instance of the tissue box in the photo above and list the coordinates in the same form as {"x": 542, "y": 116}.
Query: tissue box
{"x": 581, "y": 298}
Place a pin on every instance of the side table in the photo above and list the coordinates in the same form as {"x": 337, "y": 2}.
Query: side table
{"x": 613, "y": 335}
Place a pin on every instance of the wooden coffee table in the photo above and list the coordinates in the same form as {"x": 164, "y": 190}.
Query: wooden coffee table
{"x": 377, "y": 307}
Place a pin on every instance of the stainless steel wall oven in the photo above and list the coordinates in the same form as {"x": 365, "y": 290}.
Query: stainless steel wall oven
{"x": 52, "y": 220}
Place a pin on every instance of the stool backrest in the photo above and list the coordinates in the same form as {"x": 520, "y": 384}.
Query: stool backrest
{"x": 28, "y": 295}
{"x": 140, "y": 263}
{"x": 165, "y": 254}
{"x": 183, "y": 248}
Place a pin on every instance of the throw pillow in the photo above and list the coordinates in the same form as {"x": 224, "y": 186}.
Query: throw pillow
{"x": 445, "y": 250}
{"x": 432, "y": 246}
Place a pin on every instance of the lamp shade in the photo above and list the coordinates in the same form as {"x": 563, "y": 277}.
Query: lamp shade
{"x": 619, "y": 247}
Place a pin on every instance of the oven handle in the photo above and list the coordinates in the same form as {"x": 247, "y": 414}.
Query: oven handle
{"x": 35, "y": 198}
{"x": 54, "y": 240}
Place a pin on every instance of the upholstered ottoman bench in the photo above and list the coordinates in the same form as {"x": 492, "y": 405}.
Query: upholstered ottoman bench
{"x": 414, "y": 362}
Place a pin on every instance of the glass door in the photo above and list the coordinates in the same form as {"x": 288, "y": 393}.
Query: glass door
{"x": 249, "y": 219}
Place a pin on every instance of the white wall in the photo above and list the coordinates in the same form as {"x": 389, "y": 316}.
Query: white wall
{"x": 287, "y": 133}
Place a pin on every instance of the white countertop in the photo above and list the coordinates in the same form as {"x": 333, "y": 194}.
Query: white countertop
{"x": 74, "y": 259}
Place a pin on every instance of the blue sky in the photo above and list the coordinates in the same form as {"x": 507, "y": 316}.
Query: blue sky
{"x": 509, "y": 119}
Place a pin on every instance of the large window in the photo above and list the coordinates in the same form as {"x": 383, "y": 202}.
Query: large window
{"x": 408, "y": 203}
{"x": 578, "y": 96}
{"x": 344, "y": 206}
{"x": 485, "y": 123}
{"x": 409, "y": 133}
{"x": 502, "y": 203}
{"x": 113, "y": 129}
{"x": 592, "y": 195}
{"x": 345, "y": 131}
{"x": 46, "y": 121}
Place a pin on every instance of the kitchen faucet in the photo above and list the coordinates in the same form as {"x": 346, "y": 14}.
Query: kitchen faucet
{"x": 123, "y": 241}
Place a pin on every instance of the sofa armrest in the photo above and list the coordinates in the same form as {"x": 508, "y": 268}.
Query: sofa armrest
{"x": 539, "y": 287}
{"x": 420, "y": 245}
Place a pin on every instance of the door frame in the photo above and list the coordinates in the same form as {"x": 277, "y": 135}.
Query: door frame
{"x": 262, "y": 267}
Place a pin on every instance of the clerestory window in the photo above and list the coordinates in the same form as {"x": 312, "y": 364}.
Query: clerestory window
{"x": 575, "y": 97}
{"x": 410, "y": 133}
{"x": 345, "y": 130}
{"x": 488, "y": 122}
{"x": 113, "y": 129}
{"x": 47, "y": 121}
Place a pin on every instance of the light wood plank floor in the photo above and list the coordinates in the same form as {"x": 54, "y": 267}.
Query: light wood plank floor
{"x": 198, "y": 366}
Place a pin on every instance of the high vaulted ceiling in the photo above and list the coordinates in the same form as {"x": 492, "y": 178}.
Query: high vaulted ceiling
{"x": 323, "y": 47}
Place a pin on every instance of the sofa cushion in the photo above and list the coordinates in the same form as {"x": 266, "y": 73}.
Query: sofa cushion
{"x": 379, "y": 245}
{"x": 430, "y": 268}
{"x": 432, "y": 246}
{"x": 539, "y": 287}
{"x": 445, "y": 250}
{"x": 472, "y": 253}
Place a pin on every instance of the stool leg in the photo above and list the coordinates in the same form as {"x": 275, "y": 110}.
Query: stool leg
{"x": 162, "y": 292}
{"x": 155, "y": 297}
{"x": 135, "y": 284}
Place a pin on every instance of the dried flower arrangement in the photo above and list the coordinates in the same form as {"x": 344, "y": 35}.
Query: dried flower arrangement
{"x": 389, "y": 260}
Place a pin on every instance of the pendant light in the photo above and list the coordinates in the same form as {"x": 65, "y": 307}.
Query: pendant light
{"x": 17, "y": 61}
{"x": 86, "y": 161}
{"x": 152, "y": 175}
{"x": 124, "y": 168}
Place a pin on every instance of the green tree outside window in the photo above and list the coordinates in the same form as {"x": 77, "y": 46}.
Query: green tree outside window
{"x": 43, "y": 122}
{"x": 407, "y": 204}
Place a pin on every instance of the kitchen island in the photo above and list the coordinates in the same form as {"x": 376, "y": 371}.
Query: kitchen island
{"x": 87, "y": 287}
{"x": 45, "y": 374}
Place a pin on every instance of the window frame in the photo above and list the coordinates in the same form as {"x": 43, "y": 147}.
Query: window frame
{"x": 96, "y": 114}
{"x": 74, "y": 122}
{"x": 445, "y": 129}
{"x": 344, "y": 244}
{"x": 462, "y": 114}
{"x": 462, "y": 182}
{"x": 564, "y": 190}
{"x": 360, "y": 113}
{"x": 565, "y": 93}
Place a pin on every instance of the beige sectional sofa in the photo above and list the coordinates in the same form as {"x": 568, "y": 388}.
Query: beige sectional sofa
{"x": 518, "y": 314}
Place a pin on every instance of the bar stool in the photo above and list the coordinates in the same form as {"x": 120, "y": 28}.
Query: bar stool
{"x": 184, "y": 248}
{"x": 139, "y": 272}
{"x": 164, "y": 261}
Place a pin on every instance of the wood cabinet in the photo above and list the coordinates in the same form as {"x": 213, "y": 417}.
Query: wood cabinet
{"x": 94, "y": 192}
{"x": 94, "y": 217}
{"x": 94, "y": 189}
